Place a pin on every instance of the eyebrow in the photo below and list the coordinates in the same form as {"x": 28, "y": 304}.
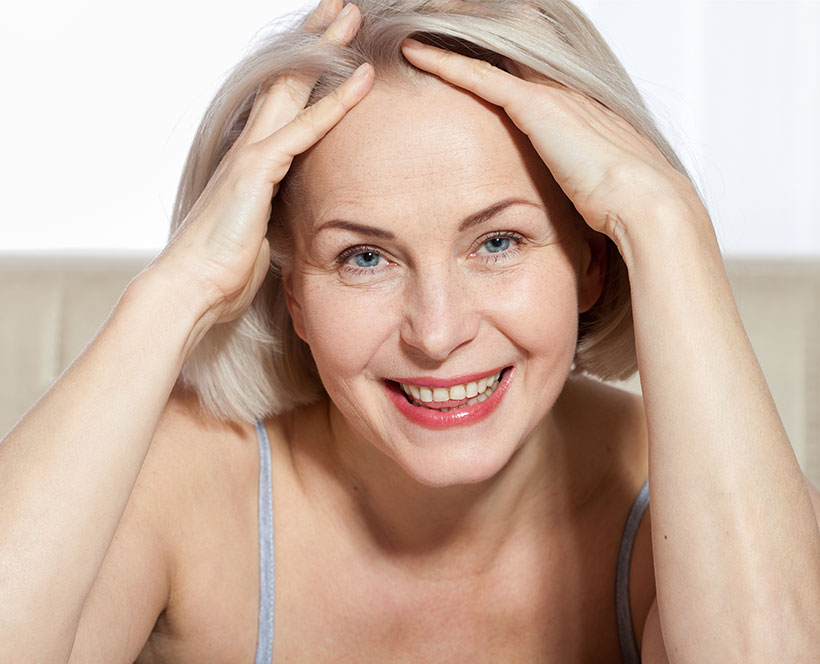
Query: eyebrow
{"x": 362, "y": 229}
{"x": 489, "y": 212}
{"x": 468, "y": 222}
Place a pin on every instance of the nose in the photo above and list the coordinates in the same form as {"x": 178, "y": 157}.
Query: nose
{"x": 440, "y": 314}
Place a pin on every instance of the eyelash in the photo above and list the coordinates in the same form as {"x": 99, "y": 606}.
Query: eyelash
{"x": 491, "y": 257}
{"x": 353, "y": 251}
{"x": 495, "y": 257}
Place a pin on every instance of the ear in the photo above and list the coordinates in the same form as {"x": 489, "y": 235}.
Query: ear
{"x": 591, "y": 269}
{"x": 294, "y": 306}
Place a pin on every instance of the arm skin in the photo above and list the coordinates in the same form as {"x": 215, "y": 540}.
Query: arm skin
{"x": 734, "y": 534}
{"x": 68, "y": 468}
{"x": 735, "y": 537}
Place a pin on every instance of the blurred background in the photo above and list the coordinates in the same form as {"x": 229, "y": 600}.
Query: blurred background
{"x": 101, "y": 101}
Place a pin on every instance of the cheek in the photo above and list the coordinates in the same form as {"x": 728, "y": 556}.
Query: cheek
{"x": 533, "y": 308}
{"x": 345, "y": 328}
{"x": 537, "y": 308}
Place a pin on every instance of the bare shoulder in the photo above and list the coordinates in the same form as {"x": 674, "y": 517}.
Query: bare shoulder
{"x": 609, "y": 395}
{"x": 193, "y": 459}
{"x": 612, "y": 414}
{"x": 185, "y": 472}
{"x": 624, "y": 412}
{"x": 188, "y": 443}
{"x": 206, "y": 469}
{"x": 616, "y": 419}
{"x": 211, "y": 484}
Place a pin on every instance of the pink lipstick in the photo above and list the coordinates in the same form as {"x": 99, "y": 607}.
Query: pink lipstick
{"x": 451, "y": 413}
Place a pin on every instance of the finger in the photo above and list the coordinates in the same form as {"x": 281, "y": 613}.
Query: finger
{"x": 289, "y": 93}
{"x": 478, "y": 76}
{"x": 316, "y": 120}
{"x": 261, "y": 267}
{"x": 511, "y": 92}
{"x": 321, "y": 17}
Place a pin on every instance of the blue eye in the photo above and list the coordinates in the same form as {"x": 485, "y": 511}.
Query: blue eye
{"x": 501, "y": 246}
{"x": 366, "y": 259}
{"x": 496, "y": 244}
{"x": 362, "y": 258}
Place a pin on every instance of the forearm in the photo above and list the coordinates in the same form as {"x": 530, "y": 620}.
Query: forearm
{"x": 736, "y": 544}
{"x": 68, "y": 467}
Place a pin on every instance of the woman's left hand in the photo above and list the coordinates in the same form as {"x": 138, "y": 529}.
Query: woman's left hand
{"x": 615, "y": 177}
{"x": 726, "y": 489}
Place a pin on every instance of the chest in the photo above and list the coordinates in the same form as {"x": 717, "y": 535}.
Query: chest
{"x": 530, "y": 615}
{"x": 549, "y": 602}
{"x": 329, "y": 607}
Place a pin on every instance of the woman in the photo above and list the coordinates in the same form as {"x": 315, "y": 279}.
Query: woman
{"x": 406, "y": 390}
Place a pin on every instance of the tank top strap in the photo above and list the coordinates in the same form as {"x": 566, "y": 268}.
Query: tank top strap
{"x": 264, "y": 644}
{"x": 264, "y": 639}
{"x": 626, "y": 634}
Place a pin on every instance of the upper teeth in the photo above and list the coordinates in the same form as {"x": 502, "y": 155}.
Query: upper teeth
{"x": 452, "y": 393}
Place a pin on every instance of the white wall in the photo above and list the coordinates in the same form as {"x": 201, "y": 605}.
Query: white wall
{"x": 101, "y": 100}
{"x": 738, "y": 83}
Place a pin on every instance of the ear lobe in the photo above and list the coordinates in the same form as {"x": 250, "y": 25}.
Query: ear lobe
{"x": 294, "y": 307}
{"x": 592, "y": 269}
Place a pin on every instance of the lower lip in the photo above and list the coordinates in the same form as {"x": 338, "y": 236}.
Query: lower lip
{"x": 464, "y": 416}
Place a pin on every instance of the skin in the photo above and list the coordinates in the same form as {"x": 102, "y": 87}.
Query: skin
{"x": 64, "y": 582}
{"x": 726, "y": 489}
{"x": 113, "y": 534}
{"x": 414, "y": 163}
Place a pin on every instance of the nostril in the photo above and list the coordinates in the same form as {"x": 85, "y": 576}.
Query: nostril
{"x": 438, "y": 320}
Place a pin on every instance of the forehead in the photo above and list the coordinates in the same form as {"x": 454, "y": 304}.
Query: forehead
{"x": 428, "y": 144}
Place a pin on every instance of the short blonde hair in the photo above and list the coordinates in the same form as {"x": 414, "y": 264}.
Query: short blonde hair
{"x": 256, "y": 365}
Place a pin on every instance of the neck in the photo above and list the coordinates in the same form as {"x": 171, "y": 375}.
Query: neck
{"x": 543, "y": 486}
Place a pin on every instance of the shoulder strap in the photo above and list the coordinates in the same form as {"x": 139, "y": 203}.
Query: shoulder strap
{"x": 264, "y": 639}
{"x": 626, "y": 635}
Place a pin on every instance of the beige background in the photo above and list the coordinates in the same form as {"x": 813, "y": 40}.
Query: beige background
{"x": 52, "y": 305}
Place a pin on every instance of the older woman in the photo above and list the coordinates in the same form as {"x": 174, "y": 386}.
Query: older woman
{"x": 406, "y": 402}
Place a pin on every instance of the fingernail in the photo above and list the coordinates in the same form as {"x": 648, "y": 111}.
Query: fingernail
{"x": 412, "y": 44}
{"x": 346, "y": 11}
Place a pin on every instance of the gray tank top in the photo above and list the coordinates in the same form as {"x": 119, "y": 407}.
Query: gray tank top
{"x": 264, "y": 642}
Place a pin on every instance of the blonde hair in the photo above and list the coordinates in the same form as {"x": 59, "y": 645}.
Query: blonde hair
{"x": 256, "y": 366}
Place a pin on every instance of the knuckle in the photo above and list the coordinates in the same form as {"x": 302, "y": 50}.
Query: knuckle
{"x": 314, "y": 118}
{"x": 480, "y": 71}
{"x": 336, "y": 102}
{"x": 484, "y": 66}
{"x": 308, "y": 120}
{"x": 254, "y": 165}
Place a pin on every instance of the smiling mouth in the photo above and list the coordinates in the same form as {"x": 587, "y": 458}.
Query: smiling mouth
{"x": 454, "y": 397}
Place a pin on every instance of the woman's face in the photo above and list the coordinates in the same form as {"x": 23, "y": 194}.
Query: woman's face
{"x": 438, "y": 277}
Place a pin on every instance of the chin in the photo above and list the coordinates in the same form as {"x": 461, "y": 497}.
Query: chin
{"x": 458, "y": 465}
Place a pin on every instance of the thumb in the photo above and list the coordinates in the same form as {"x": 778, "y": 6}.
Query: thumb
{"x": 259, "y": 272}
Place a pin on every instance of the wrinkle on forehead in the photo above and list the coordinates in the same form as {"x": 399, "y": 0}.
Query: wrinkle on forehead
{"x": 430, "y": 148}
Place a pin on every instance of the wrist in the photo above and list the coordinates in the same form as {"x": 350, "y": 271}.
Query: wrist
{"x": 666, "y": 234}
{"x": 174, "y": 299}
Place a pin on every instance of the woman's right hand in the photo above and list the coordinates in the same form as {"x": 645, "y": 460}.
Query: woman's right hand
{"x": 220, "y": 248}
